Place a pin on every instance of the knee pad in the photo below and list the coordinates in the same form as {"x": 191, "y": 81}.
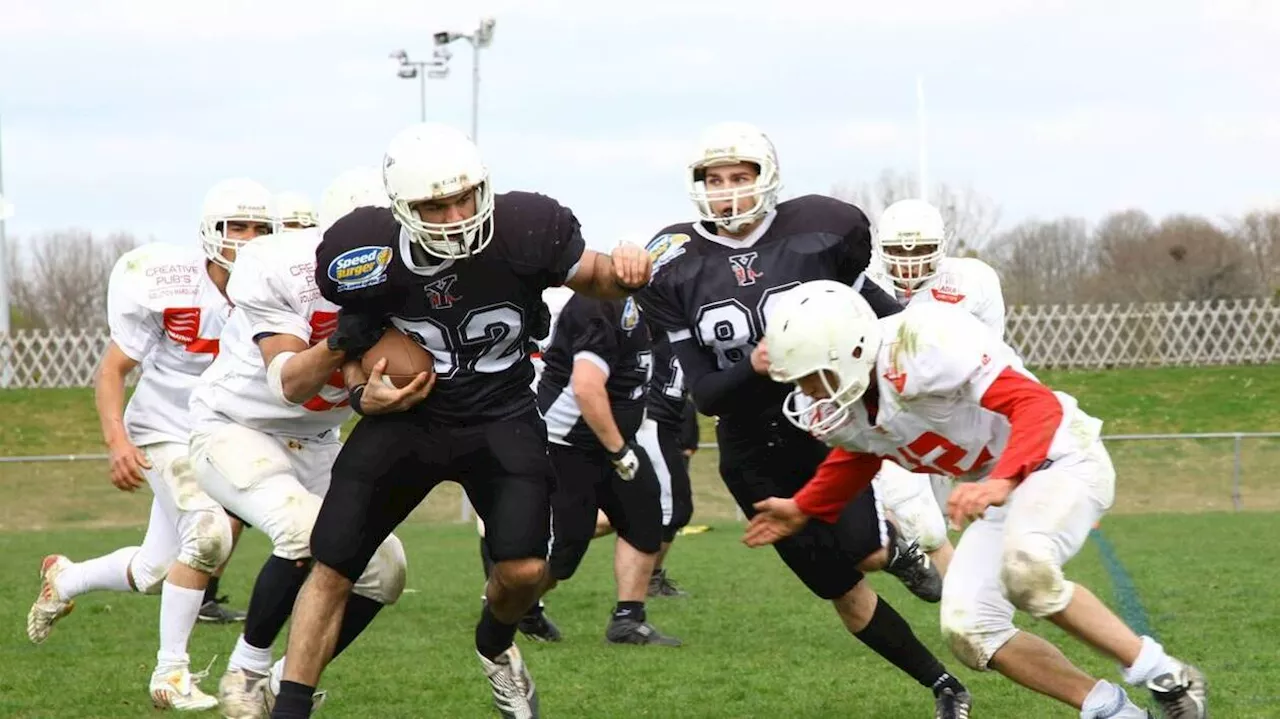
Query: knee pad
{"x": 206, "y": 539}
{"x": 566, "y": 555}
{"x": 148, "y": 576}
{"x": 972, "y": 637}
{"x": 384, "y": 577}
{"x": 1032, "y": 580}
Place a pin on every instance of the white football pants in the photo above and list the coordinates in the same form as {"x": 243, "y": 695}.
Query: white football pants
{"x": 909, "y": 496}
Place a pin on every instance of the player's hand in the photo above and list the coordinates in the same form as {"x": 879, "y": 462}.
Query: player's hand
{"x": 969, "y": 500}
{"x": 626, "y": 461}
{"x": 356, "y": 333}
{"x": 127, "y": 463}
{"x": 382, "y": 397}
{"x": 776, "y": 519}
{"x": 760, "y": 359}
{"x": 632, "y": 266}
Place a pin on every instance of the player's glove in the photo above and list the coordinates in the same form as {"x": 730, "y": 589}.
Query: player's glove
{"x": 356, "y": 333}
{"x": 626, "y": 461}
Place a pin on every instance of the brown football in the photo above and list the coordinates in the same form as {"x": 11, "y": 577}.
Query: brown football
{"x": 405, "y": 358}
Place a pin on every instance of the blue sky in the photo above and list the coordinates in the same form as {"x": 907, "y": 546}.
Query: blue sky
{"x": 119, "y": 115}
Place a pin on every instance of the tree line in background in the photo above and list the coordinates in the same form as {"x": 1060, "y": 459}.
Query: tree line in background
{"x": 59, "y": 279}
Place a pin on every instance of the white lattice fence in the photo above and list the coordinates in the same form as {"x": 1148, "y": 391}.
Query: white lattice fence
{"x": 1086, "y": 336}
{"x": 1153, "y": 334}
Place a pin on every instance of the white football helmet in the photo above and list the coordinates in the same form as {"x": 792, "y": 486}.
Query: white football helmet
{"x": 430, "y": 161}
{"x": 295, "y": 211}
{"x": 729, "y": 143}
{"x": 905, "y": 226}
{"x": 234, "y": 200}
{"x": 823, "y": 327}
{"x": 358, "y": 187}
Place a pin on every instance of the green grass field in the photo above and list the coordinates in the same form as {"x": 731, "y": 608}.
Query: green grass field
{"x": 757, "y": 645}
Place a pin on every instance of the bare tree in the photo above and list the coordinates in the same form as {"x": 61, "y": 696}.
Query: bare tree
{"x": 1260, "y": 233}
{"x": 61, "y": 278}
{"x": 1043, "y": 262}
{"x": 1184, "y": 258}
{"x": 970, "y": 216}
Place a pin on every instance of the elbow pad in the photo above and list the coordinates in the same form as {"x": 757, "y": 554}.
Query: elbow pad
{"x": 275, "y": 376}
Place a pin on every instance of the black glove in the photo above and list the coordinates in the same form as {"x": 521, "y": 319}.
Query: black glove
{"x": 540, "y": 322}
{"x": 626, "y": 461}
{"x": 356, "y": 333}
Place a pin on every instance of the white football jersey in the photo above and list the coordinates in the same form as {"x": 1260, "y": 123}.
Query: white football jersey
{"x": 936, "y": 364}
{"x": 966, "y": 282}
{"x": 556, "y": 298}
{"x": 274, "y": 291}
{"x": 166, "y": 313}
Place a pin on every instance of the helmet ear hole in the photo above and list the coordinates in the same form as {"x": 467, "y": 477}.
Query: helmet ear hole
{"x": 857, "y": 351}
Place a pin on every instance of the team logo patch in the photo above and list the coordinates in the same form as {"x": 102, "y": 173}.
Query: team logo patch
{"x": 360, "y": 267}
{"x": 630, "y": 315}
{"x": 440, "y": 292}
{"x": 744, "y": 270}
{"x": 665, "y": 248}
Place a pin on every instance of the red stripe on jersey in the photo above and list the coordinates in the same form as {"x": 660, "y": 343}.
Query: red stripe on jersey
{"x": 842, "y": 476}
{"x": 1034, "y": 417}
{"x": 203, "y": 346}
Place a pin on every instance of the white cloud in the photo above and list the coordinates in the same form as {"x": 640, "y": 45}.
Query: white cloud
{"x": 871, "y": 134}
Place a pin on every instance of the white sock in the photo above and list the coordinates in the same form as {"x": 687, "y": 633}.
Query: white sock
{"x": 247, "y": 656}
{"x": 1151, "y": 663}
{"x": 179, "y": 608}
{"x": 109, "y": 572}
{"x": 277, "y": 673}
{"x": 1104, "y": 700}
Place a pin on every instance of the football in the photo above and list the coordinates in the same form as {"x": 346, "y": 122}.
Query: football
{"x": 405, "y": 358}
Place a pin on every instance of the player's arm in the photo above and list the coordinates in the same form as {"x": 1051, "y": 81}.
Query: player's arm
{"x": 297, "y": 372}
{"x": 127, "y": 461}
{"x": 854, "y": 258}
{"x": 717, "y": 391}
{"x": 371, "y": 395}
{"x": 613, "y": 276}
{"x": 590, "y": 373}
{"x": 842, "y": 476}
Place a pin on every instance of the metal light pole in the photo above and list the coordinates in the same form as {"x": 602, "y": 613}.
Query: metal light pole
{"x": 6, "y": 211}
{"x": 480, "y": 38}
{"x": 408, "y": 69}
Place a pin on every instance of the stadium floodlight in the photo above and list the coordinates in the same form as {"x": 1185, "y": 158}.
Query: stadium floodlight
{"x": 480, "y": 38}
{"x": 407, "y": 69}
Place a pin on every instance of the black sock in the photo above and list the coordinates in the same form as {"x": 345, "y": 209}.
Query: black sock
{"x": 889, "y": 635}
{"x": 274, "y": 590}
{"x": 211, "y": 591}
{"x": 535, "y": 611}
{"x": 359, "y": 613}
{"x": 492, "y": 636}
{"x": 946, "y": 681}
{"x": 629, "y": 610}
{"x": 293, "y": 701}
{"x": 486, "y": 560}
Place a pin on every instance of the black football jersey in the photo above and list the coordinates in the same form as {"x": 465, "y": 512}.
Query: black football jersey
{"x": 666, "y": 398}
{"x": 719, "y": 292}
{"x": 610, "y": 333}
{"x": 474, "y": 315}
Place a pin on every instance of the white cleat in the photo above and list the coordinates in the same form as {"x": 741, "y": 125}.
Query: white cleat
{"x": 513, "y": 692}
{"x": 242, "y": 694}
{"x": 49, "y": 606}
{"x": 176, "y": 688}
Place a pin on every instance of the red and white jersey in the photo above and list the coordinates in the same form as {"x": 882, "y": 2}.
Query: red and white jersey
{"x": 274, "y": 291}
{"x": 966, "y": 282}
{"x": 951, "y": 399}
{"x": 166, "y": 313}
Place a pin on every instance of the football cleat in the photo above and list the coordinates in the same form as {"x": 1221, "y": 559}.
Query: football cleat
{"x": 949, "y": 705}
{"x": 215, "y": 611}
{"x": 632, "y": 631}
{"x": 242, "y": 694}
{"x": 49, "y": 606}
{"x": 538, "y": 626}
{"x": 1181, "y": 694}
{"x": 914, "y": 569}
{"x": 660, "y": 585}
{"x": 514, "y": 694}
{"x": 177, "y": 688}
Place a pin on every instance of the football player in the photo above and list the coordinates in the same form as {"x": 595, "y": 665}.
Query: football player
{"x": 715, "y": 284}
{"x": 460, "y": 269}
{"x": 666, "y": 410}
{"x": 166, "y": 307}
{"x": 911, "y": 244}
{"x": 592, "y": 395}
{"x": 295, "y": 211}
{"x": 938, "y": 392}
{"x": 265, "y": 423}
